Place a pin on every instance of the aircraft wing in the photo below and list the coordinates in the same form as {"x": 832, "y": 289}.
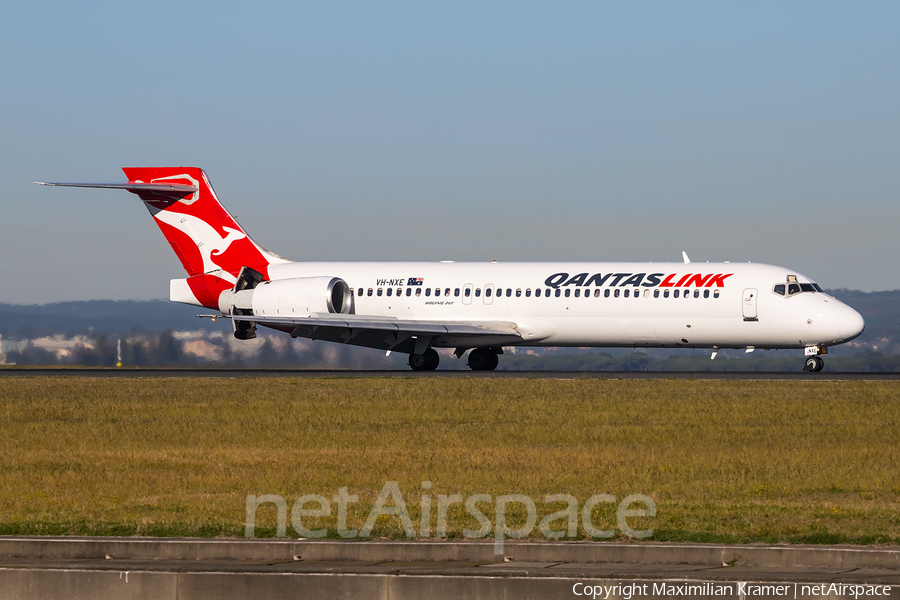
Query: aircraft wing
{"x": 381, "y": 332}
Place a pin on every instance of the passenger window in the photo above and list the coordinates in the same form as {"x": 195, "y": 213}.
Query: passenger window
{"x": 379, "y": 291}
{"x": 369, "y": 293}
{"x": 528, "y": 293}
{"x": 666, "y": 294}
{"x": 715, "y": 293}
{"x": 437, "y": 292}
{"x": 675, "y": 293}
{"x": 558, "y": 292}
{"x": 478, "y": 292}
{"x": 779, "y": 289}
{"x": 696, "y": 293}
{"x": 626, "y": 293}
{"x": 578, "y": 292}
{"x": 616, "y": 293}
{"x": 606, "y": 293}
{"x": 418, "y": 292}
{"x": 447, "y": 292}
{"x": 706, "y": 293}
{"x": 568, "y": 292}
{"x": 427, "y": 292}
{"x": 508, "y": 292}
{"x": 488, "y": 292}
{"x": 456, "y": 292}
{"x": 597, "y": 293}
{"x": 399, "y": 292}
{"x": 360, "y": 292}
{"x": 390, "y": 291}
{"x": 656, "y": 293}
{"x": 468, "y": 292}
{"x": 409, "y": 291}
{"x": 519, "y": 293}
{"x": 646, "y": 293}
{"x": 793, "y": 288}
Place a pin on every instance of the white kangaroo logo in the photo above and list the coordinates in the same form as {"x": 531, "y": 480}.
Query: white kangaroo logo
{"x": 208, "y": 240}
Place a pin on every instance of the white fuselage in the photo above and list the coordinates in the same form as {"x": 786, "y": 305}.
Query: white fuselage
{"x": 691, "y": 305}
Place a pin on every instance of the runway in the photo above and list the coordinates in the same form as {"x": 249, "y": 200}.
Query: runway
{"x": 184, "y": 568}
{"x": 689, "y": 375}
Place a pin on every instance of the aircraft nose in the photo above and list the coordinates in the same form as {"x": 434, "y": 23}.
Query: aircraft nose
{"x": 850, "y": 323}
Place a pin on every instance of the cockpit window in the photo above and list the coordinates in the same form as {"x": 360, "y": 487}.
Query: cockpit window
{"x": 794, "y": 287}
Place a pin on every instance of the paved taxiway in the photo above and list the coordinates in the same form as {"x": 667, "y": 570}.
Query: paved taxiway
{"x": 99, "y": 568}
{"x": 699, "y": 375}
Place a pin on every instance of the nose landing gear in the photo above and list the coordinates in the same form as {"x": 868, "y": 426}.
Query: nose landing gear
{"x": 814, "y": 364}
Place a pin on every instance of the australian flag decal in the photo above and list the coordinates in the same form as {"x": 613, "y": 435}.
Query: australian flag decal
{"x": 415, "y": 281}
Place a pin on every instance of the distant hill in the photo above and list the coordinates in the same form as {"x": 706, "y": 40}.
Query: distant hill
{"x": 101, "y": 317}
{"x": 881, "y": 310}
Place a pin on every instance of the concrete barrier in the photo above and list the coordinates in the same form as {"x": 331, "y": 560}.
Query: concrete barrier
{"x": 443, "y": 551}
{"x": 35, "y": 568}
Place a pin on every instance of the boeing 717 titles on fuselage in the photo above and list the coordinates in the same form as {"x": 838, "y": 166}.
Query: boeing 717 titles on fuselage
{"x": 479, "y": 308}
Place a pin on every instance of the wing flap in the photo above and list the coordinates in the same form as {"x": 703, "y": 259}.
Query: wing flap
{"x": 389, "y": 324}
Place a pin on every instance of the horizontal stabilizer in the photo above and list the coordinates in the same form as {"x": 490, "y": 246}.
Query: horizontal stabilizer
{"x": 131, "y": 186}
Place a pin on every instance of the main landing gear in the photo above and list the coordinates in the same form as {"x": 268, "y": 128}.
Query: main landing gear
{"x": 427, "y": 361}
{"x": 483, "y": 359}
{"x": 814, "y": 364}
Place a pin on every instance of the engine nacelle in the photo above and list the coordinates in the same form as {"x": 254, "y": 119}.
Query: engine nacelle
{"x": 299, "y": 296}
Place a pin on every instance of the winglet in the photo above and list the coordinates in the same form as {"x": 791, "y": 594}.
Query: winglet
{"x": 685, "y": 257}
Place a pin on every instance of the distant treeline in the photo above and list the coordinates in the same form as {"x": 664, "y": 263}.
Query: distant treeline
{"x": 165, "y": 350}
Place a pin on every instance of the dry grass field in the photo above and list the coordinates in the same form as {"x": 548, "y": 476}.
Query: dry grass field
{"x": 811, "y": 462}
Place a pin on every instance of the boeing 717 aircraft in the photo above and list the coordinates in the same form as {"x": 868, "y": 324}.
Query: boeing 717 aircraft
{"x": 479, "y": 308}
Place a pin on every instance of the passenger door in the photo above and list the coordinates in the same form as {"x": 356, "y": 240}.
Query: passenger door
{"x": 749, "y": 305}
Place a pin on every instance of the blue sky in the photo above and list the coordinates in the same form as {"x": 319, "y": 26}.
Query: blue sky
{"x": 763, "y": 131}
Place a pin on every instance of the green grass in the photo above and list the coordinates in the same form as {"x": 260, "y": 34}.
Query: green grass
{"x": 798, "y": 462}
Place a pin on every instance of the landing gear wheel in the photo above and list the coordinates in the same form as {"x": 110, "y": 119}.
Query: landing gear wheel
{"x": 432, "y": 359}
{"x": 483, "y": 359}
{"x": 428, "y": 361}
{"x": 814, "y": 364}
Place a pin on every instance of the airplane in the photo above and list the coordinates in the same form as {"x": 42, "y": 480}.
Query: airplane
{"x": 479, "y": 308}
